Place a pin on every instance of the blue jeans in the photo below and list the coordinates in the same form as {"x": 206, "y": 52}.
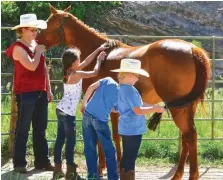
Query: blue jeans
{"x": 32, "y": 107}
{"x": 130, "y": 145}
{"x": 66, "y": 129}
{"x": 94, "y": 129}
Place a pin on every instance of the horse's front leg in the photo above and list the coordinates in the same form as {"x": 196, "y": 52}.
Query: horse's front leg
{"x": 102, "y": 163}
{"x": 116, "y": 137}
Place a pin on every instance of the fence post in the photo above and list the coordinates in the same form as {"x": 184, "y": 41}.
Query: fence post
{"x": 12, "y": 122}
{"x": 213, "y": 87}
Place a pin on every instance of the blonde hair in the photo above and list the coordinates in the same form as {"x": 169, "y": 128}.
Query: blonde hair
{"x": 122, "y": 75}
{"x": 19, "y": 32}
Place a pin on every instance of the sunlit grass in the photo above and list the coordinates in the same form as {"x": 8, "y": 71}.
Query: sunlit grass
{"x": 152, "y": 151}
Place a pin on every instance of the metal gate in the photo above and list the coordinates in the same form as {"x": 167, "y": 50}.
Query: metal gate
{"x": 212, "y": 83}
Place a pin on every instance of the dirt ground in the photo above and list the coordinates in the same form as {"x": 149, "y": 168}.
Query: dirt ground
{"x": 142, "y": 173}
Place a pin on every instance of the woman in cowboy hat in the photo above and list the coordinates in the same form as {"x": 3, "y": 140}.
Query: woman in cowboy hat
{"x": 132, "y": 121}
{"x": 32, "y": 90}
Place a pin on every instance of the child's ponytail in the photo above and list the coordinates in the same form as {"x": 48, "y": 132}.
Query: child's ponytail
{"x": 68, "y": 58}
{"x": 65, "y": 75}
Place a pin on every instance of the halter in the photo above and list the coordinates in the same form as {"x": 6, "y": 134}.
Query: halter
{"x": 60, "y": 32}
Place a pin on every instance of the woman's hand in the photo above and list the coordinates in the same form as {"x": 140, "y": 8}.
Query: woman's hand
{"x": 49, "y": 95}
{"x": 40, "y": 49}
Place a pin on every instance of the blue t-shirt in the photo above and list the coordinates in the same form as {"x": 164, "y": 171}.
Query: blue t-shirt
{"x": 104, "y": 99}
{"x": 129, "y": 122}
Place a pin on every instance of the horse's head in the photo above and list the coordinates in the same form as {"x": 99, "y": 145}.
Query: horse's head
{"x": 55, "y": 32}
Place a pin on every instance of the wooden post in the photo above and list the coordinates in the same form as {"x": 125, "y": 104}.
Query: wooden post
{"x": 12, "y": 123}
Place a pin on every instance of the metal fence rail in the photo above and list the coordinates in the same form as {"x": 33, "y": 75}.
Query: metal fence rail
{"x": 212, "y": 82}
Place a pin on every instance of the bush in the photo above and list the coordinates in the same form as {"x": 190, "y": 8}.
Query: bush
{"x": 11, "y": 11}
{"x": 212, "y": 151}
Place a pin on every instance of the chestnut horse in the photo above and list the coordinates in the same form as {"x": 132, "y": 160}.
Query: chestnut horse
{"x": 178, "y": 70}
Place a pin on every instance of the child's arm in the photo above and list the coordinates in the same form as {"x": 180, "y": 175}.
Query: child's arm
{"x": 92, "y": 56}
{"x": 88, "y": 74}
{"x": 146, "y": 104}
{"x": 140, "y": 110}
{"x": 150, "y": 105}
{"x": 88, "y": 94}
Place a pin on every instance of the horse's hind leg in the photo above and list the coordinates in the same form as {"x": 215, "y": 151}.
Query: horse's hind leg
{"x": 184, "y": 119}
{"x": 183, "y": 157}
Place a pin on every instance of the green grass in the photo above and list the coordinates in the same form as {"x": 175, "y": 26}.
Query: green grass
{"x": 152, "y": 152}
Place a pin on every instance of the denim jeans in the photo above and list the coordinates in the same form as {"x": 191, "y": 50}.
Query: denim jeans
{"x": 93, "y": 129}
{"x": 130, "y": 145}
{"x": 32, "y": 107}
{"x": 66, "y": 130}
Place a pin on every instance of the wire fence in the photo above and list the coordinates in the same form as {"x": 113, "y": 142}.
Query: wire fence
{"x": 212, "y": 83}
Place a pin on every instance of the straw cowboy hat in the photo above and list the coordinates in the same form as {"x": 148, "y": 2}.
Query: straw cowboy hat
{"x": 30, "y": 20}
{"x": 132, "y": 66}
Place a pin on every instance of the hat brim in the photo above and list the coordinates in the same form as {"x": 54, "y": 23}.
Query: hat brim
{"x": 39, "y": 24}
{"x": 136, "y": 71}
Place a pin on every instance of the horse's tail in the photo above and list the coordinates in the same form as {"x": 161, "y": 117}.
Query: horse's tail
{"x": 202, "y": 66}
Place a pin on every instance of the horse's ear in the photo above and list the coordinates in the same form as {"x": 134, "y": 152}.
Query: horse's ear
{"x": 67, "y": 9}
{"x": 52, "y": 9}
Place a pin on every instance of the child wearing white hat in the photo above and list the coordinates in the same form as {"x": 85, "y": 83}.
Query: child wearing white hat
{"x": 132, "y": 121}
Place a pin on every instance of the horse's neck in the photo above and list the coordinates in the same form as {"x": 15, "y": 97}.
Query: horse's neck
{"x": 83, "y": 38}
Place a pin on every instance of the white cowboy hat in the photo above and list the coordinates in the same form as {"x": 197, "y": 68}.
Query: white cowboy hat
{"x": 132, "y": 66}
{"x": 30, "y": 20}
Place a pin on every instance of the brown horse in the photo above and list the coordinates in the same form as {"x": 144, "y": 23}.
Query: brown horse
{"x": 178, "y": 70}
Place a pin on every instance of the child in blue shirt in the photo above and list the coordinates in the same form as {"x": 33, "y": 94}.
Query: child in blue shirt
{"x": 132, "y": 121}
{"x": 95, "y": 126}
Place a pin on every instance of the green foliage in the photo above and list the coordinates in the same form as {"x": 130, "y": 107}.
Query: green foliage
{"x": 213, "y": 151}
{"x": 197, "y": 43}
{"x": 11, "y": 10}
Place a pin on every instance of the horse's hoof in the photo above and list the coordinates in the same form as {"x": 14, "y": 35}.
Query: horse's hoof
{"x": 194, "y": 176}
{"x": 177, "y": 176}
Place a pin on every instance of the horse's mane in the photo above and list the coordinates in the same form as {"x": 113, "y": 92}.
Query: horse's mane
{"x": 88, "y": 28}
{"x": 62, "y": 14}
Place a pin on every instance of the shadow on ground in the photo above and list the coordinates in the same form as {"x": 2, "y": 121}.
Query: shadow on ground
{"x": 170, "y": 173}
